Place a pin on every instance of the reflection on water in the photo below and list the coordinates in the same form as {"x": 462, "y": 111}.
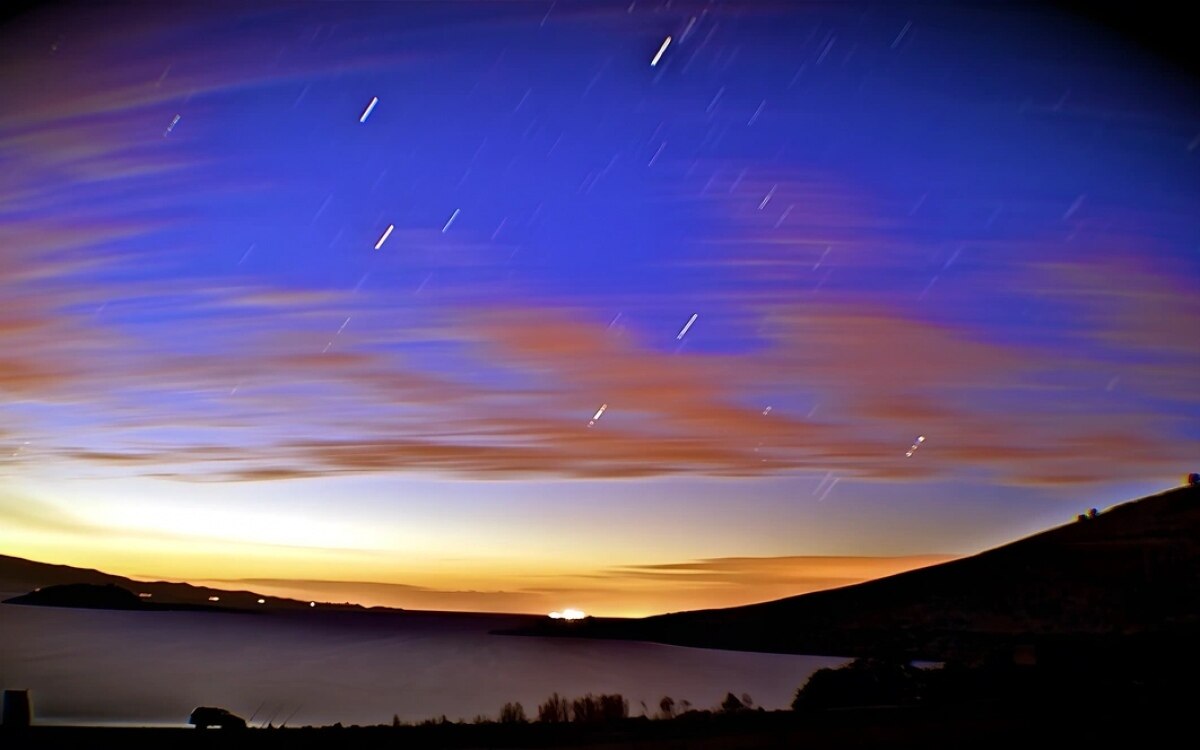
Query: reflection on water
{"x": 357, "y": 668}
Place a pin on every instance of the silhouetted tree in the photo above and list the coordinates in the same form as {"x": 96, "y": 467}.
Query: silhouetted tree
{"x": 395, "y": 720}
{"x": 614, "y": 707}
{"x": 585, "y": 710}
{"x": 554, "y": 710}
{"x": 513, "y": 713}
{"x": 666, "y": 707}
{"x": 731, "y": 704}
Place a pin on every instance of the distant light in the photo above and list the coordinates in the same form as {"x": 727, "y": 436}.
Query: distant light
{"x": 387, "y": 233}
{"x": 367, "y": 112}
{"x": 568, "y": 614}
{"x": 312, "y": 604}
{"x": 262, "y": 601}
{"x": 214, "y": 598}
{"x": 144, "y": 595}
{"x": 658, "y": 55}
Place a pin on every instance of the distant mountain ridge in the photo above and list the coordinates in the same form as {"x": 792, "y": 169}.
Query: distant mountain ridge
{"x": 20, "y": 575}
{"x": 92, "y": 596}
{"x": 1130, "y": 574}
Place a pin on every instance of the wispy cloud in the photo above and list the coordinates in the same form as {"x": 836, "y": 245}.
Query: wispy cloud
{"x": 213, "y": 377}
{"x": 875, "y": 379}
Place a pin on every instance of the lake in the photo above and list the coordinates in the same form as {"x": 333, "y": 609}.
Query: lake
{"x": 153, "y": 668}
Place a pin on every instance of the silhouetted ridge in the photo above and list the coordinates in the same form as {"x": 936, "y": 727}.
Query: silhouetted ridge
{"x": 1130, "y": 575}
{"x": 18, "y": 574}
{"x": 85, "y": 595}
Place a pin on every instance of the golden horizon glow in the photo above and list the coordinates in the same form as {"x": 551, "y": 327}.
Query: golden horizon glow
{"x": 624, "y": 591}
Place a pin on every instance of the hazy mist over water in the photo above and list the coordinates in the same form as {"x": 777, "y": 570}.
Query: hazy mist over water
{"x": 99, "y": 666}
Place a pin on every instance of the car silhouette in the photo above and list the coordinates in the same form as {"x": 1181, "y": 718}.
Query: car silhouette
{"x": 207, "y": 716}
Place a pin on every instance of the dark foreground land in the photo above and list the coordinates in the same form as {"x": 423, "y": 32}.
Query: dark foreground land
{"x": 982, "y": 725}
{"x": 867, "y": 704}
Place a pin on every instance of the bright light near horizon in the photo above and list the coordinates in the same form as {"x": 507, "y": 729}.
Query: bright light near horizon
{"x": 568, "y": 614}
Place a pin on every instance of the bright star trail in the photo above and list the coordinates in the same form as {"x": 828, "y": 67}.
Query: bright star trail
{"x": 386, "y": 233}
{"x": 599, "y": 413}
{"x": 370, "y": 108}
{"x": 913, "y": 448}
{"x": 687, "y": 326}
{"x": 658, "y": 55}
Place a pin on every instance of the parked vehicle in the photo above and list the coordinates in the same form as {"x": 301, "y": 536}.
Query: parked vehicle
{"x": 207, "y": 716}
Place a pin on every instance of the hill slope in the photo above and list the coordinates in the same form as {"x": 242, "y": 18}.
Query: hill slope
{"x": 1131, "y": 574}
{"x": 20, "y": 575}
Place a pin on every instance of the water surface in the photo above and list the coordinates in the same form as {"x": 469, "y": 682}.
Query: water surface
{"x": 100, "y": 666}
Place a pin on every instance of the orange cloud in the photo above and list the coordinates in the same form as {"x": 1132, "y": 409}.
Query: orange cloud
{"x": 879, "y": 380}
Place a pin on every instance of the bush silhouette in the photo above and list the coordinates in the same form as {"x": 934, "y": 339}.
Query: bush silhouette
{"x": 865, "y": 682}
{"x": 593, "y": 709}
{"x": 731, "y": 704}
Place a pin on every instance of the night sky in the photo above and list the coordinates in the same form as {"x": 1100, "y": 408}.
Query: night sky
{"x": 521, "y": 306}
